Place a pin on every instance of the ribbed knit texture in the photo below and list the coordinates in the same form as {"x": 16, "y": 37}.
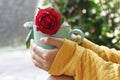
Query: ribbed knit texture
{"x": 86, "y": 62}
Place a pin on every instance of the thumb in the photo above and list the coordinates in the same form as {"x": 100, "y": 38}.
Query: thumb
{"x": 57, "y": 42}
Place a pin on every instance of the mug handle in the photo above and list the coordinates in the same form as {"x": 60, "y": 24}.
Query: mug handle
{"x": 77, "y": 32}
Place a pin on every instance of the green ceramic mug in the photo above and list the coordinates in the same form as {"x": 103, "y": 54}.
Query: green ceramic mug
{"x": 63, "y": 32}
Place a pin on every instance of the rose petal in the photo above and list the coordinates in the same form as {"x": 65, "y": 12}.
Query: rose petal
{"x": 47, "y": 21}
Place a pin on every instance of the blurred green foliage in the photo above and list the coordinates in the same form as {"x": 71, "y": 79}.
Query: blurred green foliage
{"x": 99, "y": 19}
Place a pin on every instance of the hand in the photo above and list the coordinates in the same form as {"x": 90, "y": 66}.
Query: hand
{"x": 43, "y": 58}
{"x": 62, "y": 77}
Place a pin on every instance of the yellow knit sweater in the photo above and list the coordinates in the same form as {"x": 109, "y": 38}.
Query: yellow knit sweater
{"x": 86, "y": 62}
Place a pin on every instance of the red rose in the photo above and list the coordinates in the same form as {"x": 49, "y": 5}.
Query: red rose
{"x": 47, "y": 21}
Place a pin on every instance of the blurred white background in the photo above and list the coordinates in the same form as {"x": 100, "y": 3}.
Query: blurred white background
{"x": 15, "y": 59}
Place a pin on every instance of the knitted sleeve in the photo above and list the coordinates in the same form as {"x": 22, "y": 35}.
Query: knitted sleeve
{"x": 106, "y": 53}
{"x": 83, "y": 64}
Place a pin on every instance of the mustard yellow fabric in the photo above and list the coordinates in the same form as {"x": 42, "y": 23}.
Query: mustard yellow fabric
{"x": 87, "y": 61}
{"x": 104, "y": 52}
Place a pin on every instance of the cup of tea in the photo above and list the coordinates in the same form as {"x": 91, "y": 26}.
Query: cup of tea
{"x": 65, "y": 32}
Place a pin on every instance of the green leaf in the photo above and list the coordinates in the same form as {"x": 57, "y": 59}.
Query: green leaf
{"x": 28, "y": 38}
{"x": 45, "y": 3}
{"x": 61, "y": 20}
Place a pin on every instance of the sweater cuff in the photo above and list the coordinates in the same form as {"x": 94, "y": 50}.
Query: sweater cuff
{"x": 63, "y": 56}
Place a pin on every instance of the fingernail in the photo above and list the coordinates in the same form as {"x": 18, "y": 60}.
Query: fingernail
{"x": 42, "y": 40}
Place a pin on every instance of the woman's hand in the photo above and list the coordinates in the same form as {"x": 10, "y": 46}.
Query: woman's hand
{"x": 62, "y": 77}
{"x": 41, "y": 57}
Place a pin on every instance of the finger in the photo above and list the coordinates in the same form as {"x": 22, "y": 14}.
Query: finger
{"x": 61, "y": 77}
{"x": 41, "y": 63}
{"x": 37, "y": 64}
{"x": 50, "y": 55}
{"x": 57, "y": 42}
{"x": 36, "y": 49}
{"x": 37, "y": 58}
